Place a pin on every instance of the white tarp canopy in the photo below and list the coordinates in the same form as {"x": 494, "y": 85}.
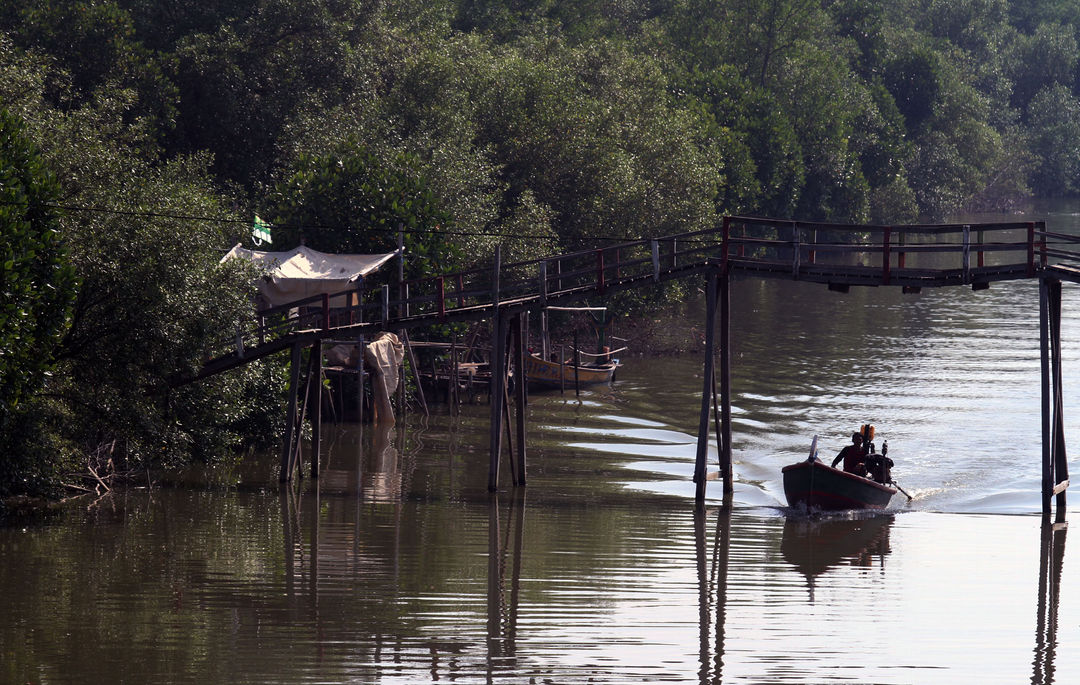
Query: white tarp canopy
{"x": 303, "y": 272}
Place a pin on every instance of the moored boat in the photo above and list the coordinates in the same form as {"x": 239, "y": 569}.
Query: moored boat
{"x": 552, "y": 374}
{"x": 817, "y": 486}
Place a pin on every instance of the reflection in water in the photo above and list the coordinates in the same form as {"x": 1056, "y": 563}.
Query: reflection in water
{"x": 814, "y": 545}
{"x": 502, "y": 609}
{"x": 712, "y": 592}
{"x": 365, "y": 460}
{"x": 1052, "y": 554}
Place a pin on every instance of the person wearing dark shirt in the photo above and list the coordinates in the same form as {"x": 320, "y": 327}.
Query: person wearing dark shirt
{"x": 853, "y": 456}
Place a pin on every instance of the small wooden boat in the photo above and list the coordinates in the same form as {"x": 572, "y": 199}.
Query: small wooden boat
{"x": 818, "y": 486}
{"x": 552, "y": 374}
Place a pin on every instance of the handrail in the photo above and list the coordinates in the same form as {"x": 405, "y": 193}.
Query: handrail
{"x": 802, "y": 250}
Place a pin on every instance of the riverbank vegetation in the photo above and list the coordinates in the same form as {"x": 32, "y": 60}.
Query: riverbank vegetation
{"x": 138, "y": 138}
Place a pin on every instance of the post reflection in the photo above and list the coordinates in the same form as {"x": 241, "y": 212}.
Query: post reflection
{"x": 365, "y": 461}
{"x": 814, "y": 545}
{"x": 712, "y": 591}
{"x": 1052, "y": 554}
{"x": 502, "y": 605}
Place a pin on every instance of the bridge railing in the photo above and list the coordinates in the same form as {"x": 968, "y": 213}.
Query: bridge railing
{"x": 911, "y": 256}
{"x": 914, "y": 255}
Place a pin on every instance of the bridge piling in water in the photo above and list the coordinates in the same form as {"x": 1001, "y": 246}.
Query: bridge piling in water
{"x": 1055, "y": 465}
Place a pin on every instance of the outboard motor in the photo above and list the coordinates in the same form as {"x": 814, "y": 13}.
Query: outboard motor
{"x": 879, "y": 465}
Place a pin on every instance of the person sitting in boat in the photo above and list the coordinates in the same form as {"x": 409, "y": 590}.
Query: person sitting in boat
{"x": 853, "y": 456}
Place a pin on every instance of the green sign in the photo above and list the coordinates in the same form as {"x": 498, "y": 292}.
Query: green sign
{"x": 260, "y": 231}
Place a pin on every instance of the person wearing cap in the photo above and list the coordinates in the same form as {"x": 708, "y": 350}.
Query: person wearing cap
{"x": 853, "y": 456}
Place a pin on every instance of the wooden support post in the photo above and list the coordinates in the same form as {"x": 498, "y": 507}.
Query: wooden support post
{"x": 1060, "y": 467}
{"x": 716, "y": 417}
{"x": 545, "y": 342}
{"x": 543, "y": 283}
{"x": 725, "y": 244}
{"x": 498, "y": 378}
{"x": 725, "y": 383}
{"x": 700, "y": 475}
{"x": 965, "y": 254}
{"x": 886, "y": 257}
{"x": 295, "y": 465}
{"x": 360, "y": 383}
{"x": 401, "y": 272}
{"x": 290, "y": 419}
{"x": 700, "y": 462}
{"x": 562, "y": 375}
{"x": 455, "y": 396}
{"x": 577, "y": 363}
{"x": 519, "y": 396}
{"x": 415, "y": 371}
{"x": 655, "y": 245}
{"x": 507, "y": 420}
{"x": 400, "y": 391}
{"x": 316, "y": 408}
{"x": 1031, "y": 250}
{"x": 496, "y": 273}
{"x": 385, "y": 304}
{"x": 796, "y": 250}
{"x": 1044, "y": 355}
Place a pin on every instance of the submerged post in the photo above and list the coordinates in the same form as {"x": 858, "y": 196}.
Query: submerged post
{"x": 1044, "y": 358}
{"x": 725, "y": 382}
{"x": 1059, "y": 467}
{"x": 498, "y": 378}
{"x": 700, "y": 476}
{"x": 519, "y": 395}
{"x": 290, "y": 419}
{"x": 316, "y": 408}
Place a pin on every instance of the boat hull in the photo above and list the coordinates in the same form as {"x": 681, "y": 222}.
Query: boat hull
{"x": 816, "y": 485}
{"x": 544, "y": 373}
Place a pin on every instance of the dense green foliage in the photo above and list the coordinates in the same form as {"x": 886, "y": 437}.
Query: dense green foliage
{"x": 532, "y": 124}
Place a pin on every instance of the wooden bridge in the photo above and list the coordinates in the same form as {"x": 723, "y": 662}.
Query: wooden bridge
{"x": 910, "y": 257}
